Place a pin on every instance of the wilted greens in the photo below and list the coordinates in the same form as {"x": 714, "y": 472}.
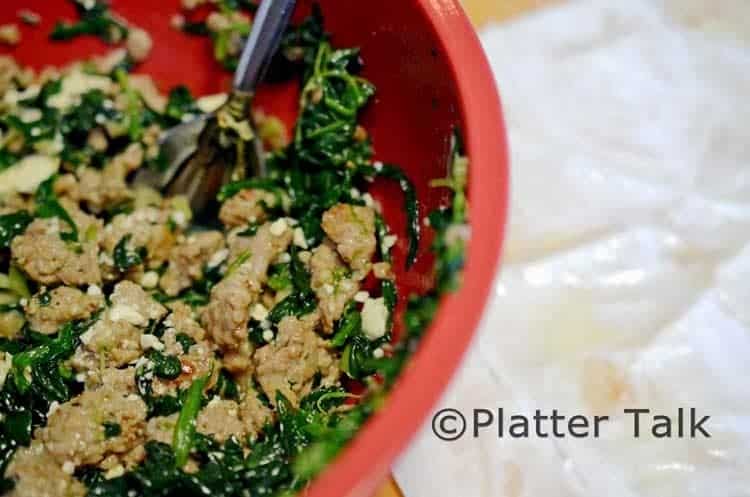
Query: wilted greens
{"x": 37, "y": 378}
{"x": 329, "y": 161}
{"x": 12, "y": 225}
{"x": 95, "y": 19}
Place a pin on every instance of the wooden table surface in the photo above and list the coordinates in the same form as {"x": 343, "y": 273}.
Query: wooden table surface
{"x": 482, "y": 12}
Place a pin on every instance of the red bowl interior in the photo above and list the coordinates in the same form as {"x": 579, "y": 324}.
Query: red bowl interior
{"x": 431, "y": 75}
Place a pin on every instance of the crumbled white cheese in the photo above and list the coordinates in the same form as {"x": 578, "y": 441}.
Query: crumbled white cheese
{"x": 299, "y": 238}
{"x": 53, "y": 407}
{"x": 150, "y": 280}
{"x": 12, "y": 96}
{"x": 28, "y": 115}
{"x": 89, "y": 334}
{"x": 265, "y": 324}
{"x": 69, "y": 467}
{"x": 284, "y": 258}
{"x": 149, "y": 341}
{"x": 369, "y": 201}
{"x": 142, "y": 363}
{"x": 180, "y": 219}
{"x": 122, "y": 312}
{"x": 218, "y": 258}
{"x": 457, "y": 233}
{"x": 105, "y": 258}
{"x": 26, "y": 175}
{"x": 94, "y": 291}
{"x": 374, "y": 318}
{"x": 389, "y": 242}
{"x": 361, "y": 297}
{"x": 259, "y": 312}
{"x": 278, "y": 227}
{"x": 51, "y": 147}
{"x": 378, "y": 353}
{"x": 6, "y": 361}
{"x": 355, "y": 193}
{"x": 304, "y": 256}
{"x": 268, "y": 336}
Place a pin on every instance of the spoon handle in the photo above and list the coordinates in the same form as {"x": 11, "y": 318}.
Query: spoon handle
{"x": 269, "y": 24}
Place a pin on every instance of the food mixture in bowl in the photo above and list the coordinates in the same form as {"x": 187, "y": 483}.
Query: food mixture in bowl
{"x": 144, "y": 355}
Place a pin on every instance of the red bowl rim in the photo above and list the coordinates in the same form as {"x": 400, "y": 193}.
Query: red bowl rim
{"x": 366, "y": 461}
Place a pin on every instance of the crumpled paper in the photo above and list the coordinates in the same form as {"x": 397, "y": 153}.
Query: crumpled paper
{"x": 626, "y": 278}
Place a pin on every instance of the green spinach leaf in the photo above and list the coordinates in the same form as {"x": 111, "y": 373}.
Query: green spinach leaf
{"x": 95, "y": 19}
{"x": 126, "y": 258}
{"x": 48, "y": 206}
{"x": 13, "y": 225}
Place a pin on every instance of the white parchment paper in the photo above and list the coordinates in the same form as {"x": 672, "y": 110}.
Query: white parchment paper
{"x": 626, "y": 280}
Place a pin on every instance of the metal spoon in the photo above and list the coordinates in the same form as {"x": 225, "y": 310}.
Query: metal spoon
{"x": 204, "y": 154}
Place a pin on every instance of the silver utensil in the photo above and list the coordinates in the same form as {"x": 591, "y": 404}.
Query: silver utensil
{"x": 213, "y": 149}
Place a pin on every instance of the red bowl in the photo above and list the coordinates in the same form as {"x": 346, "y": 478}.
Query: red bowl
{"x": 431, "y": 75}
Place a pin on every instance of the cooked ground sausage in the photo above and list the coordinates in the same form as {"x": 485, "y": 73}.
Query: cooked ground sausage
{"x": 76, "y": 431}
{"x": 148, "y": 228}
{"x": 49, "y": 260}
{"x": 48, "y": 311}
{"x": 289, "y": 365}
{"x": 187, "y": 260}
{"x": 228, "y": 312}
{"x": 139, "y": 306}
{"x": 36, "y": 473}
{"x": 248, "y": 206}
{"x": 352, "y": 228}
{"x": 332, "y": 283}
